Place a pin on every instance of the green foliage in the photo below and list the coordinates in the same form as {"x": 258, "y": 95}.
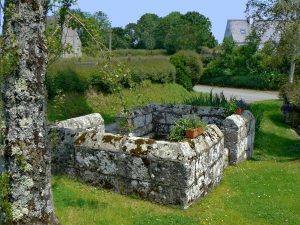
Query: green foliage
{"x": 190, "y": 32}
{"x": 138, "y": 52}
{"x": 109, "y": 105}
{"x": 145, "y": 31}
{"x": 5, "y": 206}
{"x": 120, "y": 40}
{"x": 230, "y": 107}
{"x": 177, "y": 132}
{"x": 66, "y": 79}
{"x": 157, "y": 70}
{"x": 246, "y": 66}
{"x": 291, "y": 92}
{"x": 173, "y": 32}
{"x": 275, "y": 12}
{"x": 66, "y": 106}
{"x": 111, "y": 77}
{"x": 93, "y": 30}
{"x": 215, "y": 100}
{"x": 188, "y": 68}
{"x": 264, "y": 81}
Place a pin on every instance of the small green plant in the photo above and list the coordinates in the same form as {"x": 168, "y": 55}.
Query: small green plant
{"x": 177, "y": 133}
{"x": 230, "y": 107}
{"x": 233, "y": 105}
{"x": 211, "y": 99}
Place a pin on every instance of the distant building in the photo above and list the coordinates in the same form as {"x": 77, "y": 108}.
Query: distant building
{"x": 239, "y": 30}
{"x": 69, "y": 37}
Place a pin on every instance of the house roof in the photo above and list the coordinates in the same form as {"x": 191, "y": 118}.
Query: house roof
{"x": 238, "y": 30}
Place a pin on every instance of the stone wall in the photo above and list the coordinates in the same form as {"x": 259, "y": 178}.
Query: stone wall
{"x": 159, "y": 119}
{"x": 62, "y": 136}
{"x": 239, "y": 130}
{"x": 239, "y": 133}
{"x": 161, "y": 171}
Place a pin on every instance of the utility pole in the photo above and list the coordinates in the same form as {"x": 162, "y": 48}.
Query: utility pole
{"x": 110, "y": 43}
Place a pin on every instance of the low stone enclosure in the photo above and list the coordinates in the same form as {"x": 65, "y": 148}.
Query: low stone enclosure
{"x": 176, "y": 173}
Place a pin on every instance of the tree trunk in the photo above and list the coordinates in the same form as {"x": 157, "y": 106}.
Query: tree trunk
{"x": 292, "y": 69}
{"x": 27, "y": 156}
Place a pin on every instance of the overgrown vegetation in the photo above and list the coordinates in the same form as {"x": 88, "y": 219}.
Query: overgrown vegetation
{"x": 247, "y": 66}
{"x": 243, "y": 197}
{"x": 290, "y": 93}
{"x": 108, "y": 105}
{"x": 189, "y": 68}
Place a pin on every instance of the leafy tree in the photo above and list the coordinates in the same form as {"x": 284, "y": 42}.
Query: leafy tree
{"x": 164, "y": 26}
{"x": 120, "y": 39}
{"x": 285, "y": 16}
{"x": 131, "y": 32}
{"x": 191, "y": 31}
{"x": 146, "y": 27}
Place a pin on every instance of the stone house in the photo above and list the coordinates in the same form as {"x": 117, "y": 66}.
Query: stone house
{"x": 69, "y": 37}
{"x": 240, "y": 29}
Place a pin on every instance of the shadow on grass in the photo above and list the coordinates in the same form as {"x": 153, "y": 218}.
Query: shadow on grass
{"x": 72, "y": 105}
{"x": 277, "y": 119}
{"x": 269, "y": 145}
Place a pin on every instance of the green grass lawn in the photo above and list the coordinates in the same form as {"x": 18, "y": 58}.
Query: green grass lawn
{"x": 265, "y": 190}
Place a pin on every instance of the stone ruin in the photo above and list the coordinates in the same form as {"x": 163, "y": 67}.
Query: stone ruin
{"x": 176, "y": 173}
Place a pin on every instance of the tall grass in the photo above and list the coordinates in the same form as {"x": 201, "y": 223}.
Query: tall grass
{"x": 211, "y": 99}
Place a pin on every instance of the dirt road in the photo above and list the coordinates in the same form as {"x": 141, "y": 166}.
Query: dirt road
{"x": 245, "y": 94}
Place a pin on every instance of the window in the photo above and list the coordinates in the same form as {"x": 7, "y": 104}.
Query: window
{"x": 243, "y": 31}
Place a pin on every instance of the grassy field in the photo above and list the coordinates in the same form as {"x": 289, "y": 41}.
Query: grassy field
{"x": 262, "y": 191}
{"x": 109, "y": 105}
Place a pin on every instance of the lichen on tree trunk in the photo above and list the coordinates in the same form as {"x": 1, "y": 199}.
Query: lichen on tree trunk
{"x": 27, "y": 157}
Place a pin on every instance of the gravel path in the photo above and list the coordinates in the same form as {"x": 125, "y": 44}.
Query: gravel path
{"x": 245, "y": 94}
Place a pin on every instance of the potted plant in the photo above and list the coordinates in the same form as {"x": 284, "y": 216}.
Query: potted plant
{"x": 189, "y": 127}
{"x": 235, "y": 107}
{"x": 241, "y": 105}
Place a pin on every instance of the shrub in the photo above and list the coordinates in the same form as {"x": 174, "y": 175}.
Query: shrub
{"x": 66, "y": 79}
{"x": 263, "y": 81}
{"x": 291, "y": 93}
{"x": 177, "y": 133}
{"x": 157, "y": 70}
{"x": 111, "y": 77}
{"x": 188, "y": 68}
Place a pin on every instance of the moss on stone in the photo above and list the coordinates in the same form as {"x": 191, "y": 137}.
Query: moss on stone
{"x": 138, "y": 151}
{"x": 80, "y": 139}
{"x": 5, "y": 205}
{"x": 21, "y": 162}
{"x": 111, "y": 139}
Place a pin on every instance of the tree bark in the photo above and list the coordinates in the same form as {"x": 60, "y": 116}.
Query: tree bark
{"x": 27, "y": 156}
{"x": 292, "y": 69}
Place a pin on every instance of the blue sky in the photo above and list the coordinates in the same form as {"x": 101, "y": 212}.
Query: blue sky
{"x": 122, "y": 12}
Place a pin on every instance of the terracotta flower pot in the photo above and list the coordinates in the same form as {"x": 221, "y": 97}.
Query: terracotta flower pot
{"x": 239, "y": 111}
{"x": 193, "y": 133}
